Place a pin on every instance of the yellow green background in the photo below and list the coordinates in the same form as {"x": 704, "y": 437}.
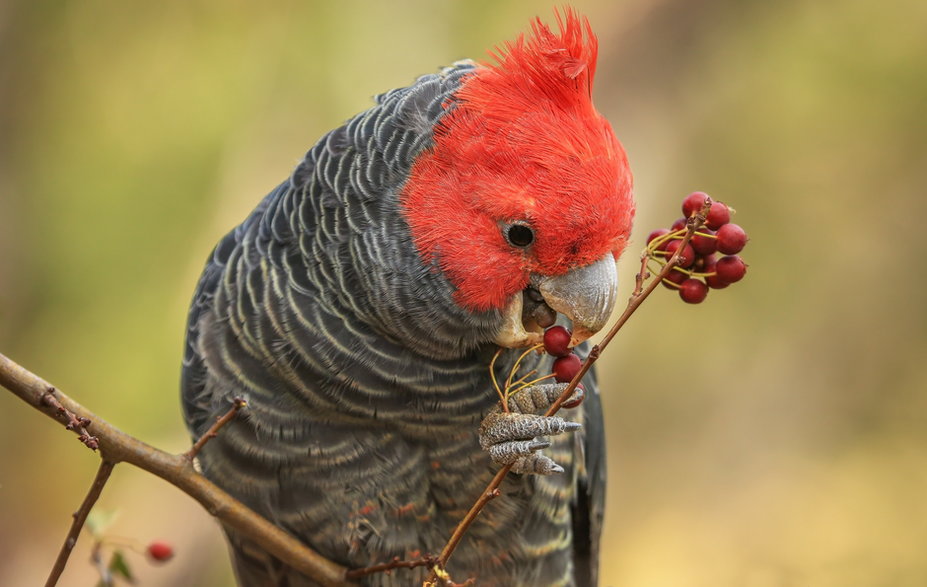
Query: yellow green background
{"x": 775, "y": 435}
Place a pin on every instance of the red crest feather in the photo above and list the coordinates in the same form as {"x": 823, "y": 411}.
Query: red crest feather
{"x": 522, "y": 141}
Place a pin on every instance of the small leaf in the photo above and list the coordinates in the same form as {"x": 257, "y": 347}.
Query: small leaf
{"x": 119, "y": 566}
{"x": 99, "y": 520}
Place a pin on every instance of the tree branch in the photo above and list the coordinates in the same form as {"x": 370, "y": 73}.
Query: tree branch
{"x": 213, "y": 431}
{"x": 80, "y": 516}
{"x": 396, "y": 563}
{"x": 116, "y": 446}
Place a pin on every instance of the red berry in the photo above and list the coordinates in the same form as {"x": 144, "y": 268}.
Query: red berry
{"x": 713, "y": 281}
{"x": 678, "y": 225}
{"x": 674, "y": 277}
{"x": 702, "y": 261}
{"x": 731, "y": 239}
{"x": 704, "y": 245}
{"x": 160, "y": 551}
{"x": 579, "y": 394}
{"x": 693, "y": 203}
{"x": 656, "y": 234}
{"x": 718, "y": 216}
{"x": 557, "y": 341}
{"x": 693, "y": 291}
{"x": 731, "y": 268}
{"x": 566, "y": 368}
{"x": 686, "y": 257}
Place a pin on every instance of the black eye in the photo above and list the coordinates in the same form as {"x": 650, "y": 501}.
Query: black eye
{"x": 519, "y": 235}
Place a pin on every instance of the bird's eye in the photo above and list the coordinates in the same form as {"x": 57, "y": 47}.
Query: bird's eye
{"x": 519, "y": 235}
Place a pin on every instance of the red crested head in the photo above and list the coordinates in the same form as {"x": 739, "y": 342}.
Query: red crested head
{"x": 522, "y": 145}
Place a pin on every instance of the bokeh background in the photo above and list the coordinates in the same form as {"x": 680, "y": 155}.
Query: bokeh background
{"x": 775, "y": 435}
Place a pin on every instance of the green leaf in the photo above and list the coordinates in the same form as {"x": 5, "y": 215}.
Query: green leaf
{"x": 119, "y": 566}
{"x": 99, "y": 520}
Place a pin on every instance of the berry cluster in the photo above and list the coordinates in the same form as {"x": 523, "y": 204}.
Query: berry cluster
{"x": 567, "y": 364}
{"x": 699, "y": 266}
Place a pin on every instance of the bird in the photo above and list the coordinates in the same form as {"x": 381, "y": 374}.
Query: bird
{"x": 358, "y": 307}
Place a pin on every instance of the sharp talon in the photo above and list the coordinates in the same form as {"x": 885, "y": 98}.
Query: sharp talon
{"x": 536, "y": 464}
{"x": 505, "y": 453}
{"x": 499, "y": 427}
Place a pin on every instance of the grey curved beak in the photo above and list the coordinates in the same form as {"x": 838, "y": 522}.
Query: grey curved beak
{"x": 586, "y": 295}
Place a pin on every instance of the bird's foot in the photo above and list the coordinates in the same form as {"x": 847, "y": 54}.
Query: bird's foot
{"x": 514, "y": 437}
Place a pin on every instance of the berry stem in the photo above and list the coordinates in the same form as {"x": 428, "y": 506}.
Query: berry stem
{"x": 508, "y": 381}
{"x": 396, "y": 563}
{"x": 532, "y": 382}
{"x": 237, "y": 404}
{"x": 657, "y": 242}
{"x": 519, "y": 381}
{"x": 495, "y": 383}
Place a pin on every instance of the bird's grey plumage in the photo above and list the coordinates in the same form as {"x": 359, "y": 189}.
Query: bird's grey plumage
{"x": 366, "y": 383}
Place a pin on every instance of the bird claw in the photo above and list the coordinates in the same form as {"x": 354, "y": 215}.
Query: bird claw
{"x": 537, "y": 464}
{"x": 512, "y": 437}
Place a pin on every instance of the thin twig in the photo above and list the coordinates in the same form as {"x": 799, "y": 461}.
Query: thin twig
{"x": 237, "y": 404}
{"x": 80, "y": 516}
{"x": 637, "y": 298}
{"x": 116, "y": 446}
{"x": 396, "y": 563}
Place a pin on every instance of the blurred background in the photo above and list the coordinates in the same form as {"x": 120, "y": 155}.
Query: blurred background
{"x": 775, "y": 435}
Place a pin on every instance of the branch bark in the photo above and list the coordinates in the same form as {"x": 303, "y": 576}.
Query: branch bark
{"x": 116, "y": 446}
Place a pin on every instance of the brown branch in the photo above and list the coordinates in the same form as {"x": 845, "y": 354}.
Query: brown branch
{"x": 396, "y": 563}
{"x": 80, "y": 516}
{"x": 213, "y": 431}
{"x": 637, "y": 298}
{"x": 116, "y": 446}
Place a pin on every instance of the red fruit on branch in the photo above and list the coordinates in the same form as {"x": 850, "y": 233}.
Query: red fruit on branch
{"x": 557, "y": 341}
{"x": 703, "y": 242}
{"x": 693, "y": 291}
{"x": 731, "y": 239}
{"x": 712, "y": 279}
{"x": 693, "y": 203}
{"x": 697, "y": 269}
{"x": 656, "y": 234}
{"x": 686, "y": 257}
{"x": 718, "y": 216}
{"x": 160, "y": 551}
{"x": 566, "y": 368}
{"x": 731, "y": 268}
{"x": 577, "y": 398}
{"x": 674, "y": 278}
